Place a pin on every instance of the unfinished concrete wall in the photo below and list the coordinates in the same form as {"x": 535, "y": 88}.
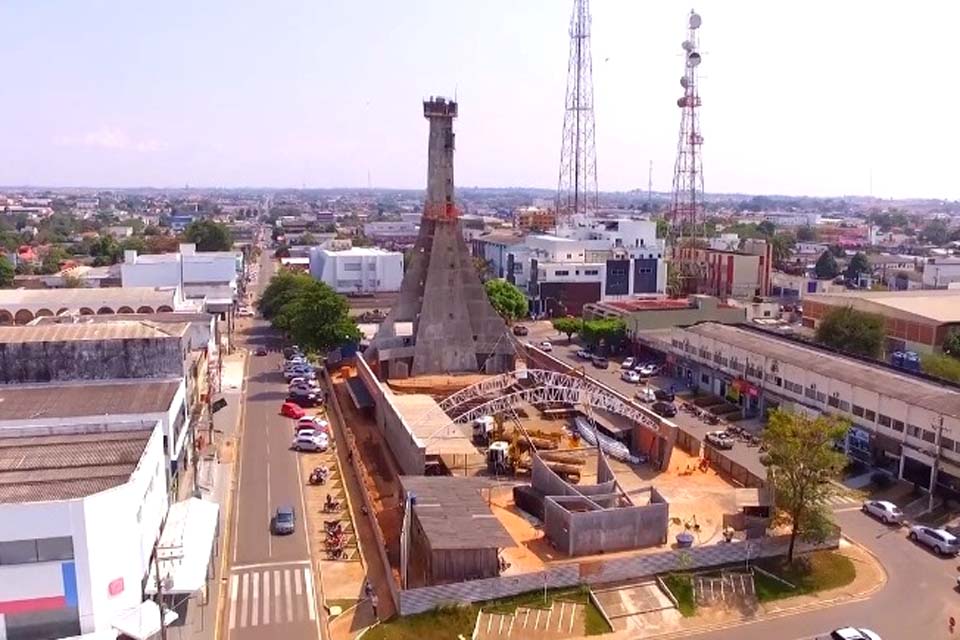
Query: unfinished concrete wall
{"x": 619, "y": 529}
{"x": 28, "y": 362}
{"x": 410, "y": 456}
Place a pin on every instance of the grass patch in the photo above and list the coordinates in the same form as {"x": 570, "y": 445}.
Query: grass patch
{"x": 343, "y": 603}
{"x": 681, "y": 586}
{"x": 448, "y": 622}
{"x": 818, "y": 571}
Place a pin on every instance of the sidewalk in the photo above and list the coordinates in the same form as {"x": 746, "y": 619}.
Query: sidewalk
{"x": 871, "y": 577}
{"x": 214, "y": 475}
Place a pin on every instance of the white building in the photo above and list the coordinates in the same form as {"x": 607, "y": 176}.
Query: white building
{"x": 186, "y": 267}
{"x": 358, "y": 270}
{"x": 397, "y": 232}
{"x": 80, "y": 519}
{"x": 939, "y": 273}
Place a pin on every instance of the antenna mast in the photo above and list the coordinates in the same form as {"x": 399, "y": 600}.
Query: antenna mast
{"x": 577, "y": 187}
{"x": 686, "y": 210}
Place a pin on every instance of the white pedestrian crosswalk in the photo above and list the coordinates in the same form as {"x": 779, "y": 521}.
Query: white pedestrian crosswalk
{"x": 843, "y": 500}
{"x": 268, "y": 595}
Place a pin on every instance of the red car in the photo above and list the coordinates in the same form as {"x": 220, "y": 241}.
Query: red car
{"x": 291, "y": 410}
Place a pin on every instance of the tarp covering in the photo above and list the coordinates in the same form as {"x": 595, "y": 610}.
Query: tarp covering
{"x": 143, "y": 621}
{"x": 185, "y": 547}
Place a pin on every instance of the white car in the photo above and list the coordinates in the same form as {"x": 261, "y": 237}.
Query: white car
{"x": 886, "y": 512}
{"x": 645, "y": 394}
{"x": 940, "y": 540}
{"x": 627, "y": 363}
{"x": 630, "y": 376}
{"x": 245, "y": 312}
{"x": 648, "y": 369}
{"x": 546, "y": 346}
{"x": 850, "y": 633}
{"x": 314, "y": 423}
{"x": 312, "y": 383}
{"x": 310, "y": 440}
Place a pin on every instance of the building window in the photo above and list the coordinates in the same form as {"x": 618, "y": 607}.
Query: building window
{"x": 869, "y": 415}
{"x": 947, "y": 443}
{"x": 704, "y": 378}
{"x": 844, "y": 406}
{"x": 54, "y": 549}
{"x": 897, "y": 425}
{"x": 372, "y": 266}
{"x": 913, "y": 431}
{"x": 591, "y": 272}
{"x": 857, "y": 411}
{"x": 563, "y": 272}
{"x": 833, "y": 401}
{"x": 811, "y": 393}
{"x": 352, "y": 266}
{"x": 883, "y": 421}
{"x": 929, "y": 436}
{"x": 821, "y": 397}
{"x": 42, "y": 550}
{"x": 577, "y": 272}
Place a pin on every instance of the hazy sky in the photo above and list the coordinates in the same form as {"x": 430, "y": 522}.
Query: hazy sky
{"x": 798, "y": 97}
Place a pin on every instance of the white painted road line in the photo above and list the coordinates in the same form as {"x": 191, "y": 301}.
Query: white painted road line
{"x": 311, "y": 605}
{"x": 234, "y": 584}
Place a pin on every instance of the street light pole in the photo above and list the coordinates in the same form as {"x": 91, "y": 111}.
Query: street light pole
{"x": 936, "y": 462}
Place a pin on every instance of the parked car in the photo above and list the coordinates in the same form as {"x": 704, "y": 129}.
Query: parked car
{"x": 583, "y": 354}
{"x": 627, "y": 363}
{"x": 299, "y": 372}
{"x": 600, "y": 362}
{"x": 295, "y": 360}
{"x": 665, "y": 409}
{"x": 520, "y": 330}
{"x": 313, "y": 422}
{"x": 300, "y": 380}
{"x": 665, "y": 395}
{"x": 261, "y": 351}
{"x": 850, "y": 633}
{"x": 546, "y": 346}
{"x": 310, "y": 441}
{"x": 289, "y": 352}
{"x": 645, "y": 394}
{"x": 720, "y": 439}
{"x": 283, "y": 522}
{"x": 291, "y": 410}
{"x": 304, "y": 400}
{"x": 648, "y": 369}
{"x": 630, "y": 376}
{"x": 940, "y": 540}
{"x": 887, "y": 512}
{"x": 245, "y": 312}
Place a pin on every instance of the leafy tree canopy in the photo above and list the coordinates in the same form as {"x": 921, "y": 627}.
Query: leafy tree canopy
{"x": 827, "y": 267}
{"x": 858, "y": 332}
{"x": 858, "y": 264}
{"x": 800, "y": 459}
{"x": 7, "y": 272}
{"x": 806, "y": 233}
{"x": 935, "y": 232}
{"x": 610, "y": 332}
{"x": 313, "y": 315}
{"x": 208, "y": 235}
{"x": 951, "y": 344}
{"x": 567, "y": 325}
{"x": 507, "y": 299}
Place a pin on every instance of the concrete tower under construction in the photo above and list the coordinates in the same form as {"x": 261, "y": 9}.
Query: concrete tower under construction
{"x": 442, "y": 321}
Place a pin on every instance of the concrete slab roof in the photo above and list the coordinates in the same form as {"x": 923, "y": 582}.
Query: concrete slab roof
{"x": 453, "y": 513}
{"x": 63, "y": 467}
{"x": 431, "y": 426}
{"x": 84, "y": 331}
{"x": 92, "y": 297}
{"x": 939, "y": 305}
{"x": 46, "y": 401}
{"x": 943, "y": 399}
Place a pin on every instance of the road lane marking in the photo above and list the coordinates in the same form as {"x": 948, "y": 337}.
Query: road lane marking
{"x": 266, "y": 597}
{"x": 847, "y": 510}
{"x": 255, "y": 600}
{"x": 311, "y": 605}
{"x": 298, "y": 588}
{"x": 289, "y": 592}
{"x": 276, "y": 591}
{"x": 269, "y": 565}
{"x": 234, "y": 583}
{"x": 297, "y": 577}
{"x": 245, "y": 601}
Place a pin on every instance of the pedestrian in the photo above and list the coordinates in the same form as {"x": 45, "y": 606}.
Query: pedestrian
{"x": 350, "y": 456}
{"x": 952, "y": 623}
{"x": 367, "y": 588}
{"x": 374, "y": 601}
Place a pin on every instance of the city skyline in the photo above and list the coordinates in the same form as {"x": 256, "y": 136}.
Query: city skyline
{"x": 807, "y": 101}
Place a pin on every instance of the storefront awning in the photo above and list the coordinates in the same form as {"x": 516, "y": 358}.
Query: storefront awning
{"x": 143, "y": 621}
{"x": 185, "y": 547}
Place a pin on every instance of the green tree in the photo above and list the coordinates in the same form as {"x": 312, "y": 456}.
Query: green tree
{"x": 283, "y": 251}
{"x": 781, "y": 245}
{"x": 935, "y": 232}
{"x": 317, "y": 318}
{"x": 951, "y": 344}
{"x": 663, "y": 228}
{"x": 208, "y": 235}
{"x": 282, "y": 289}
{"x": 858, "y": 332}
{"x": 308, "y": 239}
{"x": 484, "y": 268}
{"x": 767, "y": 228}
{"x": 800, "y": 461}
{"x": 674, "y": 280}
{"x": 567, "y": 325}
{"x": 507, "y": 299}
{"x": 941, "y": 366}
{"x": 827, "y": 267}
{"x": 52, "y": 261}
{"x": 610, "y": 333}
{"x": 7, "y": 272}
{"x": 858, "y": 265}
{"x": 806, "y": 233}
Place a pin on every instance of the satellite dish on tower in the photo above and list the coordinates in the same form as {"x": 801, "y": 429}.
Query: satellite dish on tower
{"x": 693, "y": 59}
{"x": 695, "y": 20}
{"x": 687, "y": 45}
{"x": 684, "y": 82}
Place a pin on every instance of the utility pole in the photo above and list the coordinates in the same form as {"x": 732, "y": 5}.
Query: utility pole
{"x": 936, "y": 461}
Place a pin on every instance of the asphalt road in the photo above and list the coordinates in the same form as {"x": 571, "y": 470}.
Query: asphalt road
{"x": 917, "y": 600}
{"x": 271, "y": 589}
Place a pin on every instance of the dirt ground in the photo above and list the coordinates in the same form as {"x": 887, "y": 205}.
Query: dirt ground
{"x": 437, "y": 386}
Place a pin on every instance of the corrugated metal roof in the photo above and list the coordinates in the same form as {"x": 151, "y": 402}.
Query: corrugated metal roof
{"x": 62, "y": 467}
{"x": 82, "y": 297}
{"x": 454, "y": 515}
{"x": 82, "y": 331}
{"x": 47, "y": 401}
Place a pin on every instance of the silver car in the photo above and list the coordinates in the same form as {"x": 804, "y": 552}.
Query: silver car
{"x": 886, "y": 512}
{"x": 940, "y": 540}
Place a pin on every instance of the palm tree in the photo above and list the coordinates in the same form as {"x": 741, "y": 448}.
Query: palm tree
{"x": 674, "y": 281}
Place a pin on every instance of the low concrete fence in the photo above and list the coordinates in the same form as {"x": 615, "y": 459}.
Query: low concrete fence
{"x": 603, "y": 571}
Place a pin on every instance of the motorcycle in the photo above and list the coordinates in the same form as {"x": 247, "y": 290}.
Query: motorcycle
{"x": 336, "y": 554}
{"x": 331, "y": 506}
{"x": 319, "y": 475}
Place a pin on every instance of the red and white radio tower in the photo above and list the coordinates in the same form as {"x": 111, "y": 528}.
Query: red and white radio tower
{"x": 686, "y": 210}
{"x": 577, "y": 187}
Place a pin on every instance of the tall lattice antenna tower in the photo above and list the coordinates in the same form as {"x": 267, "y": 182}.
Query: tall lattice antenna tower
{"x": 577, "y": 188}
{"x": 686, "y": 210}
